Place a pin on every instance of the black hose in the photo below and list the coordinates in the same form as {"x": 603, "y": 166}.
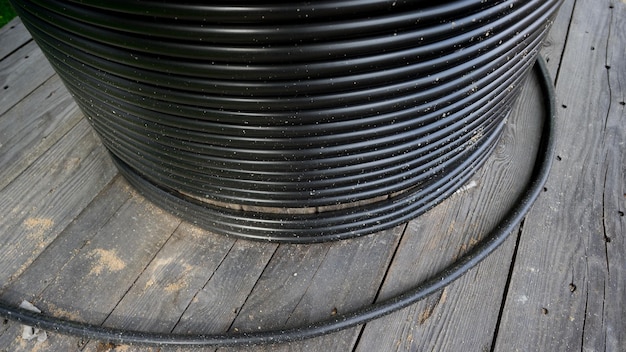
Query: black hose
{"x": 305, "y": 50}
{"x": 217, "y": 31}
{"x": 291, "y": 128}
{"x": 436, "y": 283}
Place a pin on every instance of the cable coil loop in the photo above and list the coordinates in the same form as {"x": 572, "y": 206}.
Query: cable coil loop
{"x": 299, "y": 122}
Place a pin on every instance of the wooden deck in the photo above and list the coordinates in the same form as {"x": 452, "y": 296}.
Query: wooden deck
{"x": 78, "y": 242}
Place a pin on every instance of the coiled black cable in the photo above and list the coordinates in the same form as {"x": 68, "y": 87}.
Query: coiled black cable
{"x": 436, "y": 283}
{"x": 310, "y": 122}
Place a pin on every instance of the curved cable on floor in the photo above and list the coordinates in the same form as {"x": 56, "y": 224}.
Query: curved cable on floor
{"x": 361, "y": 316}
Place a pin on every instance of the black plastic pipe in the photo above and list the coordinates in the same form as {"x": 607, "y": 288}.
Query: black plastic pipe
{"x": 436, "y": 283}
{"x": 332, "y": 119}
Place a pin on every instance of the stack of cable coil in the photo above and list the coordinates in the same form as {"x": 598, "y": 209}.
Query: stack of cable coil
{"x": 294, "y": 121}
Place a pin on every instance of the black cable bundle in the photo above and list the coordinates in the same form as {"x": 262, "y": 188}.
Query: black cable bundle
{"x": 296, "y": 108}
{"x": 338, "y": 322}
{"x": 299, "y": 122}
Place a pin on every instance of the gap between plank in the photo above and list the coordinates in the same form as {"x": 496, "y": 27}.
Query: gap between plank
{"x": 507, "y": 285}
{"x": 567, "y": 32}
{"x": 380, "y": 287}
{"x": 232, "y": 245}
{"x": 16, "y": 49}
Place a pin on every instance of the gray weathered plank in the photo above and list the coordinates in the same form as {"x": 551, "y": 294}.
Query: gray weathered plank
{"x": 92, "y": 283}
{"x": 13, "y": 35}
{"x": 55, "y": 257}
{"x": 33, "y": 125}
{"x": 34, "y": 212}
{"x": 306, "y": 284}
{"x": 567, "y": 288}
{"x": 213, "y": 308}
{"x": 166, "y": 288}
{"x": 554, "y": 43}
{"x": 31, "y": 283}
{"x": 300, "y": 280}
{"x": 282, "y": 285}
{"x": 344, "y": 277}
{"x": 21, "y": 73}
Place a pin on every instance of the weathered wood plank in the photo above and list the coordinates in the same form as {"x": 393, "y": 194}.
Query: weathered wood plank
{"x": 567, "y": 288}
{"x": 294, "y": 288}
{"x": 336, "y": 342}
{"x": 213, "y": 308}
{"x": 554, "y": 43}
{"x": 447, "y": 321}
{"x": 117, "y": 254}
{"x": 33, "y": 125}
{"x": 461, "y": 317}
{"x": 34, "y": 212}
{"x": 330, "y": 280}
{"x": 20, "y": 73}
{"x": 13, "y": 35}
{"x": 166, "y": 288}
{"x": 305, "y": 284}
{"x": 55, "y": 257}
{"x": 282, "y": 285}
{"x": 31, "y": 283}
{"x": 92, "y": 283}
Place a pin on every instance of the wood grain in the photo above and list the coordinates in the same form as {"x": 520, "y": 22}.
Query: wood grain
{"x": 13, "y": 35}
{"x": 21, "y": 73}
{"x": 91, "y": 284}
{"x": 554, "y": 43}
{"x": 306, "y": 284}
{"x": 32, "y": 282}
{"x": 567, "y": 288}
{"x": 33, "y": 125}
{"x": 75, "y": 169}
{"x": 214, "y": 307}
{"x": 47, "y": 266}
{"x": 170, "y": 282}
